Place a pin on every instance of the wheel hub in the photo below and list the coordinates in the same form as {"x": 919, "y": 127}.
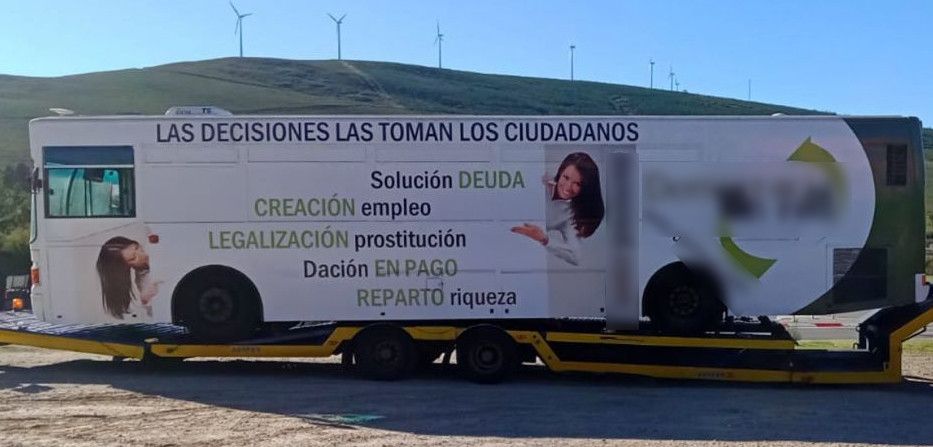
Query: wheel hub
{"x": 487, "y": 357}
{"x": 684, "y": 301}
{"x": 386, "y": 353}
{"x": 216, "y": 305}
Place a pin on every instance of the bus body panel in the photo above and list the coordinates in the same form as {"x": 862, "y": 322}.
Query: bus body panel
{"x": 779, "y": 208}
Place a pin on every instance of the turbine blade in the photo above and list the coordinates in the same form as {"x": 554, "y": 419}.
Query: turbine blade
{"x": 234, "y": 9}
{"x": 246, "y": 15}
{"x": 341, "y": 18}
{"x": 332, "y": 17}
{"x": 237, "y": 29}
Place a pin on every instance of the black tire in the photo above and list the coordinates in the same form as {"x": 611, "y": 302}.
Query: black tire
{"x": 679, "y": 301}
{"x": 384, "y": 353}
{"x": 487, "y": 354}
{"x": 218, "y": 305}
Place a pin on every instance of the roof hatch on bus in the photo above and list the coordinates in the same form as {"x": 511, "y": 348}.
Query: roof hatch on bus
{"x": 197, "y": 111}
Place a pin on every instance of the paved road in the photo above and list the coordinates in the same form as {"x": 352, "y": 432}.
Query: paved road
{"x": 59, "y": 399}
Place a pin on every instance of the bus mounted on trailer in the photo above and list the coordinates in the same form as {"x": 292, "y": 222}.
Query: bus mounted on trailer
{"x": 630, "y": 225}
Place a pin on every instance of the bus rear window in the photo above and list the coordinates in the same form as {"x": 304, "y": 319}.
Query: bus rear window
{"x": 89, "y": 181}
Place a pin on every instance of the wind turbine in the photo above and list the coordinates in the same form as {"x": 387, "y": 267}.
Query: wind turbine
{"x": 239, "y": 25}
{"x": 439, "y": 41}
{"x": 338, "y": 22}
{"x": 671, "y": 75}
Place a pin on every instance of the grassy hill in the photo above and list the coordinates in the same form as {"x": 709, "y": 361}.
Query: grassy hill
{"x": 274, "y": 86}
{"x": 277, "y": 86}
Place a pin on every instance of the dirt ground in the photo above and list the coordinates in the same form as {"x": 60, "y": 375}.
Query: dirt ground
{"x": 50, "y": 398}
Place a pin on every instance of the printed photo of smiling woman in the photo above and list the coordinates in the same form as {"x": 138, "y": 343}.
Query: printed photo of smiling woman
{"x": 574, "y": 210}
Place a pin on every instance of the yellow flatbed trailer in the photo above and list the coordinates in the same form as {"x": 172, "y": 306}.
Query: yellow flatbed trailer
{"x": 756, "y": 353}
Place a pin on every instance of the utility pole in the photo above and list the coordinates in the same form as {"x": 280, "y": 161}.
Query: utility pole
{"x": 572, "y": 47}
{"x": 651, "y": 82}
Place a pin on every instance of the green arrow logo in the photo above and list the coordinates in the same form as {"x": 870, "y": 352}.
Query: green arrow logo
{"x": 807, "y": 152}
{"x": 748, "y": 262}
{"x": 810, "y": 152}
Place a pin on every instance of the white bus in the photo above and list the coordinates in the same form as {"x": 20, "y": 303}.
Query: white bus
{"x": 224, "y": 223}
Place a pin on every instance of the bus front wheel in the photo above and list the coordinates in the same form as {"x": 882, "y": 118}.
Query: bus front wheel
{"x": 218, "y": 304}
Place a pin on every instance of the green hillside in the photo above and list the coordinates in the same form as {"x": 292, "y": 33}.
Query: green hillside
{"x": 274, "y": 86}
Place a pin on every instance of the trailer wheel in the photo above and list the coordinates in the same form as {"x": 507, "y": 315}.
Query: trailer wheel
{"x": 384, "y": 353}
{"x": 681, "y": 301}
{"x": 218, "y": 304}
{"x": 486, "y": 354}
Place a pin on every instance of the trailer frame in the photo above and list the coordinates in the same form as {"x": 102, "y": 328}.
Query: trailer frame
{"x": 751, "y": 353}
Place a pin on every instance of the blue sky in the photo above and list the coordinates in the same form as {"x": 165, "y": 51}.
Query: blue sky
{"x": 854, "y": 57}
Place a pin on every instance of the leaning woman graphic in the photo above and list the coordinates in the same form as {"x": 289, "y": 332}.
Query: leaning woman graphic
{"x": 574, "y": 208}
{"x": 123, "y": 267}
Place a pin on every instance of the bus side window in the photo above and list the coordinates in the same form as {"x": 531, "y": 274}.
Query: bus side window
{"x": 104, "y": 189}
{"x": 99, "y": 182}
{"x": 76, "y": 199}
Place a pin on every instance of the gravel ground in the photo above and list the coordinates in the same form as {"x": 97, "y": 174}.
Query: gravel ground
{"x": 50, "y": 398}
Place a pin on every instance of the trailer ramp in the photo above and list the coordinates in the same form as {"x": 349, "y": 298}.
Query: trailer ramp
{"x": 140, "y": 341}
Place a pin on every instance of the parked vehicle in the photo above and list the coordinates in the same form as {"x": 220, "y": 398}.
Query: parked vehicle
{"x": 223, "y": 223}
{"x": 634, "y": 245}
{"x": 16, "y": 293}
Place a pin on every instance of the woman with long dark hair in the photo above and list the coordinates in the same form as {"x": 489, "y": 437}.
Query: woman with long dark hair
{"x": 123, "y": 268}
{"x": 575, "y": 208}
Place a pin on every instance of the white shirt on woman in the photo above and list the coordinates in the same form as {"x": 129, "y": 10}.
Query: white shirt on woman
{"x": 563, "y": 241}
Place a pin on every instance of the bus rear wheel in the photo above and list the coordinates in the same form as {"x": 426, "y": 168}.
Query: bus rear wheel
{"x": 218, "y": 304}
{"x": 680, "y": 301}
